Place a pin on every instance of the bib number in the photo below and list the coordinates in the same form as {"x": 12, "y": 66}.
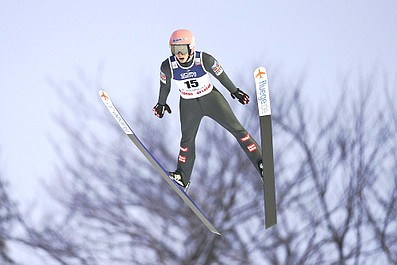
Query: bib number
{"x": 191, "y": 83}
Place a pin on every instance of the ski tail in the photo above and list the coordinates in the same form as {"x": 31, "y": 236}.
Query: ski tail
{"x": 155, "y": 163}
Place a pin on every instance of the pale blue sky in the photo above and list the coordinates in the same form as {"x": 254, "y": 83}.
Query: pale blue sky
{"x": 40, "y": 39}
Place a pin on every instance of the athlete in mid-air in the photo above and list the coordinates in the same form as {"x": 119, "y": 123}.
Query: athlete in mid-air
{"x": 190, "y": 70}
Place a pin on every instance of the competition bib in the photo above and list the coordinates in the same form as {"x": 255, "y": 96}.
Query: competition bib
{"x": 193, "y": 81}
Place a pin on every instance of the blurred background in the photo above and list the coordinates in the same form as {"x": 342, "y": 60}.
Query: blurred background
{"x": 74, "y": 190}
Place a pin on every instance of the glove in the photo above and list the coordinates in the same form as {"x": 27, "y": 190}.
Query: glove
{"x": 241, "y": 96}
{"x": 160, "y": 109}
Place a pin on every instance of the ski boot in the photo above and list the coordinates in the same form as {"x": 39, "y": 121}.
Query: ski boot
{"x": 260, "y": 166}
{"x": 177, "y": 177}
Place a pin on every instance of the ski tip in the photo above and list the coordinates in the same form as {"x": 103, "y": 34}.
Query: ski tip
{"x": 104, "y": 95}
{"x": 260, "y": 72}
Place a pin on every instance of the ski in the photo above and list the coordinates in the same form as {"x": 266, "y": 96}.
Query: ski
{"x": 265, "y": 119}
{"x": 134, "y": 138}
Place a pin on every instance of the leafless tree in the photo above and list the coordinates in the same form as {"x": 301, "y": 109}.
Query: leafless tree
{"x": 340, "y": 187}
{"x": 8, "y": 217}
{"x": 336, "y": 186}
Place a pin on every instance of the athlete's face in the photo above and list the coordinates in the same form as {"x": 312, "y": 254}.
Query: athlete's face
{"x": 182, "y": 58}
{"x": 181, "y": 52}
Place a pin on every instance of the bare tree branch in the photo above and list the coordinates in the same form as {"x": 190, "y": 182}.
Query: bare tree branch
{"x": 336, "y": 187}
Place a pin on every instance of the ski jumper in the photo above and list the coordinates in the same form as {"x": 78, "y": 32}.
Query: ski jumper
{"x": 199, "y": 98}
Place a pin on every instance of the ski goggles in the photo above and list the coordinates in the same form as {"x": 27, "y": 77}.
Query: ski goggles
{"x": 183, "y": 49}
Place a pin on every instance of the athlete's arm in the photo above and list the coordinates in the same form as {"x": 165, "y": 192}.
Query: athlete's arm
{"x": 165, "y": 82}
{"x": 213, "y": 66}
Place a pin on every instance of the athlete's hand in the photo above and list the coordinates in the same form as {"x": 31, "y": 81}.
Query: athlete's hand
{"x": 242, "y": 97}
{"x": 160, "y": 109}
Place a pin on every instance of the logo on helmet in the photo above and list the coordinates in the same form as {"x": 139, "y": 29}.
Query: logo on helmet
{"x": 178, "y": 40}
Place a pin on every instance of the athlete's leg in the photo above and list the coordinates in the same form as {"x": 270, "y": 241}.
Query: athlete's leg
{"x": 217, "y": 108}
{"x": 190, "y": 118}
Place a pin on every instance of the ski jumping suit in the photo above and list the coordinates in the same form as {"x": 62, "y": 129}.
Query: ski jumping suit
{"x": 200, "y": 98}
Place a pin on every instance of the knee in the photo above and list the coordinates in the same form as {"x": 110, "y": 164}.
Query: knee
{"x": 242, "y": 136}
